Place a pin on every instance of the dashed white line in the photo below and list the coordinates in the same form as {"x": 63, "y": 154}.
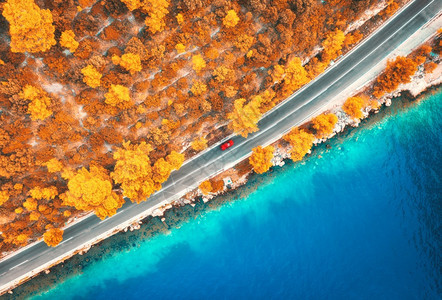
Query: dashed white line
{"x": 67, "y": 239}
{"x": 18, "y": 264}
{"x": 105, "y": 220}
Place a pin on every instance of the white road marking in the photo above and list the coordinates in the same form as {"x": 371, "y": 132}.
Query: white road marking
{"x": 67, "y": 239}
{"x": 18, "y": 265}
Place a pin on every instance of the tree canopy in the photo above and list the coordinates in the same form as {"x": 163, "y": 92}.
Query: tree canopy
{"x": 301, "y": 142}
{"x": 30, "y": 27}
{"x": 261, "y": 159}
{"x": 324, "y": 124}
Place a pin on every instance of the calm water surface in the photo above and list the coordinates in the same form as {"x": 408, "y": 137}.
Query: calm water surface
{"x": 359, "y": 221}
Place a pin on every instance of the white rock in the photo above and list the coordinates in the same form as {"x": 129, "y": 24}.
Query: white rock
{"x": 157, "y": 213}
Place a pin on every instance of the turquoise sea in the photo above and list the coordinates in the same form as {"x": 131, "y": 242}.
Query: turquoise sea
{"x": 361, "y": 220}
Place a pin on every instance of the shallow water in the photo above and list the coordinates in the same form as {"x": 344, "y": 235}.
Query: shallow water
{"x": 359, "y": 221}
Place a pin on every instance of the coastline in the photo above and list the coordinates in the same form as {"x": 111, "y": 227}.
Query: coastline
{"x": 368, "y": 22}
{"x": 178, "y": 214}
{"x": 420, "y": 86}
{"x": 194, "y": 197}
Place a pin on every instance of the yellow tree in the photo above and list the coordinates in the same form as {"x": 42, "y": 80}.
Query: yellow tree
{"x": 198, "y": 88}
{"x": 261, "y": 158}
{"x": 179, "y": 18}
{"x": 134, "y": 172}
{"x": 30, "y": 204}
{"x": 53, "y": 165}
{"x": 67, "y": 40}
{"x": 199, "y": 144}
{"x": 353, "y": 107}
{"x": 53, "y": 236}
{"x": 266, "y": 100}
{"x": 118, "y": 95}
{"x": 39, "y": 107}
{"x": 156, "y": 10}
{"x": 244, "y": 118}
{"x": 92, "y": 190}
{"x": 205, "y": 187}
{"x": 333, "y": 45}
{"x": 324, "y": 124}
{"x": 301, "y": 142}
{"x": 223, "y": 73}
{"x": 180, "y": 48}
{"x": 91, "y": 76}
{"x": 277, "y": 73}
{"x": 175, "y": 160}
{"x": 163, "y": 167}
{"x": 131, "y": 62}
{"x": 4, "y": 196}
{"x": 231, "y": 19}
{"x": 30, "y": 27}
{"x": 132, "y": 4}
{"x": 34, "y": 215}
{"x": 198, "y": 63}
{"x": 161, "y": 171}
{"x": 39, "y": 193}
{"x": 295, "y": 75}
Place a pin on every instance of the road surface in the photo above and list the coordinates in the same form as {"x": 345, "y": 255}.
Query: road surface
{"x": 293, "y": 112}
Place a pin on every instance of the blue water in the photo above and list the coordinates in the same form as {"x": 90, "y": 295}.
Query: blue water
{"x": 359, "y": 221}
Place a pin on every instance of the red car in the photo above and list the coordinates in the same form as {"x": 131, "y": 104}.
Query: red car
{"x": 226, "y": 145}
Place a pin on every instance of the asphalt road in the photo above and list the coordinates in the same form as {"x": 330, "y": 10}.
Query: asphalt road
{"x": 293, "y": 112}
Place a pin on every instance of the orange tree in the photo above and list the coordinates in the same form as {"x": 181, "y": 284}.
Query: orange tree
{"x": 199, "y": 144}
{"x": 295, "y": 76}
{"x": 206, "y": 187}
{"x": 39, "y": 107}
{"x": 92, "y": 190}
{"x": 324, "y": 124}
{"x": 138, "y": 178}
{"x": 398, "y": 71}
{"x": 353, "y": 107}
{"x": 333, "y": 45}
{"x": 30, "y": 27}
{"x": 261, "y": 158}
{"x": 53, "y": 236}
{"x": 301, "y": 142}
{"x": 67, "y": 40}
{"x": 245, "y": 117}
{"x": 91, "y": 76}
{"x": 134, "y": 172}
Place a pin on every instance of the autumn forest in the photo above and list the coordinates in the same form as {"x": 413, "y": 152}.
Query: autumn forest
{"x": 102, "y": 100}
